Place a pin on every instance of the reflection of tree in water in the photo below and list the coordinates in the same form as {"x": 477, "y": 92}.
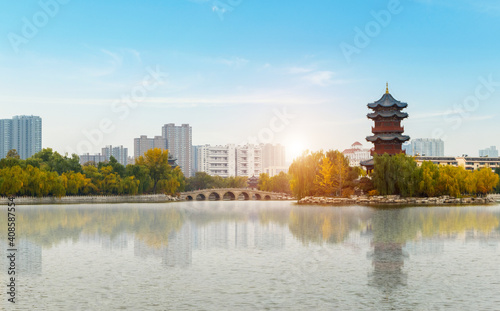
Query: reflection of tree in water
{"x": 318, "y": 224}
{"x": 49, "y": 226}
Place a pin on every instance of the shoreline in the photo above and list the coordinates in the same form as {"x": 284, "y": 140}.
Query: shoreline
{"x": 96, "y": 199}
{"x": 396, "y": 200}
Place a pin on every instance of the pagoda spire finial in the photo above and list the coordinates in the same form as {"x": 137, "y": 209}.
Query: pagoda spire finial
{"x": 387, "y": 88}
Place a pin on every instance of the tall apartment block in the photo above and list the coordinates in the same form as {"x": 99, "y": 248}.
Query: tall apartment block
{"x": 272, "y": 155}
{"x": 23, "y": 133}
{"x": 217, "y": 160}
{"x": 143, "y": 144}
{"x": 248, "y": 160}
{"x": 179, "y": 143}
{"x": 119, "y": 153}
{"x": 229, "y": 160}
{"x": 490, "y": 152}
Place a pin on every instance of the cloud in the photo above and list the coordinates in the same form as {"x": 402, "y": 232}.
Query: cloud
{"x": 321, "y": 78}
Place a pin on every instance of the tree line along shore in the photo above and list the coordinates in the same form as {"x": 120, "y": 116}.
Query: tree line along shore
{"x": 313, "y": 174}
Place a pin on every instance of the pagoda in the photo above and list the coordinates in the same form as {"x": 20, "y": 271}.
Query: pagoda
{"x": 388, "y": 132}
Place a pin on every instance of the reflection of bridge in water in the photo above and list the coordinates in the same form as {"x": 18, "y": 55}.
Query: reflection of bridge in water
{"x": 232, "y": 194}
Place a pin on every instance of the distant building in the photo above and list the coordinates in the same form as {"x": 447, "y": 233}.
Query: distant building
{"x": 23, "y": 133}
{"x": 179, "y": 144}
{"x": 275, "y": 170}
{"x": 119, "y": 153}
{"x": 356, "y": 154}
{"x": 491, "y": 152}
{"x": 229, "y": 160}
{"x": 272, "y": 155}
{"x": 96, "y": 158}
{"x": 143, "y": 144}
{"x": 248, "y": 160}
{"x": 469, "y": 163}
{"x": 428, "y": 147}
{"x": 217, "y": 160}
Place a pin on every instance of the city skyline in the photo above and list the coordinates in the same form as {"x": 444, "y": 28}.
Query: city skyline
{"x": 298, "y": 77}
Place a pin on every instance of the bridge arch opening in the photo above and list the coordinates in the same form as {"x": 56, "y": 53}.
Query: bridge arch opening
{"x": 267, "y": 198}
{"x": 214, "y": 196}
{"x": 229, "y": 196}
{"x": 200, "y": 197}
{"x": 257, "y": 196}
{"x": 189, "y": 198}
{"x": 243, "y": 196}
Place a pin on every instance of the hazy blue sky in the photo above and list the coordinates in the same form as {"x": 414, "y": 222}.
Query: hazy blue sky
{"x": 230, "y": 65}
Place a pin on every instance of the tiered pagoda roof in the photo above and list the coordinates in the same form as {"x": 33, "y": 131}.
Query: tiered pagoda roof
{"x": 387, "y": 109}
{"x": 387, "y": 101}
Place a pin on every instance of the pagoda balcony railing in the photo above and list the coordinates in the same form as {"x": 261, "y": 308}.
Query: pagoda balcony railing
{"x": 388, "y": 129}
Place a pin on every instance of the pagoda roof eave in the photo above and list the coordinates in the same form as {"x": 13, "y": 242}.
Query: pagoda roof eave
{"x": 387, "y": 114}
{"x": 387, "y": 137}
{"x": 387, "y": 101}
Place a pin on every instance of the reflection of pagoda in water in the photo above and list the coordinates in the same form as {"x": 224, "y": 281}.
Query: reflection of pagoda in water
{"x": 388, "y": 256}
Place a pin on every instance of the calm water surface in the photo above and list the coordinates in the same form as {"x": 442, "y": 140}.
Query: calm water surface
{"x": 252, "y": 255}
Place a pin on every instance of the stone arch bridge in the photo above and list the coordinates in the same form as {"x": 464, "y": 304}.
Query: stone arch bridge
{"x": 232, "y": 194}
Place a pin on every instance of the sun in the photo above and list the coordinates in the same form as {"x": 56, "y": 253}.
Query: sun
{"x": 295, "y": 149}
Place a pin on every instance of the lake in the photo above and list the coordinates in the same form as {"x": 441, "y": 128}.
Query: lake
{"x": 253, "y": 255}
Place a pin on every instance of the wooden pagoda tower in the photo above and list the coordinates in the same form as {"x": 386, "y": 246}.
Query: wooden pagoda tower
{"x": 387, "y": 133}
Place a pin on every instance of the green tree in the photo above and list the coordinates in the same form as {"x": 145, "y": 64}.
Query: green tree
{"x": 156, "y": 160}
{"x": 141, "y": 174}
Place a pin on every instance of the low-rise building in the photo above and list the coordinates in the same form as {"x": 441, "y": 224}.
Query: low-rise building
{"x": 356, "y": 154}
{"x": 469, "y": 163}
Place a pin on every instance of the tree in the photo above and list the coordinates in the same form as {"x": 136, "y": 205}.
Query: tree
{"x": 486, "y": 180}
{"x": 13, "y": 154}
{"x": 429, "y": 179}
{"x": 156, "y": 160}
{"x": 264, "y": 183}
{"x": 13, "y": 180}
{"x": 497, "y": 188}
{"x": 324, "y": 180}
{"x": 141, "y": 174}
{"x": 303, "y": 171}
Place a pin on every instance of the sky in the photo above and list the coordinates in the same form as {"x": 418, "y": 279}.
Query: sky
{"x": 299, "y": 73}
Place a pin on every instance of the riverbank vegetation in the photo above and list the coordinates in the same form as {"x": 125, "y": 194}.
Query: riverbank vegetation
{"x": 325, "y": 174}
{"x": 48, "y": 173}
{"x": 400, "y": 175}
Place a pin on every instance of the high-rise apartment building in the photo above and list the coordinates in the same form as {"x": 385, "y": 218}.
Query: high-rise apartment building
{"x": 229, "y": 160}
{"x": 119, "y": 153}
{"x": 96, "y": 158}
{"x": 490, "y": 152}
{"x": 23, "y": 133}
{"x": 429, "y": 147}
{"x": 143, "y": 144}
{"x": 217, "y": 160}
{"x": 248, "y": 160}
{"x": 179, "y": 143}
{"x": 272, "y": 155}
